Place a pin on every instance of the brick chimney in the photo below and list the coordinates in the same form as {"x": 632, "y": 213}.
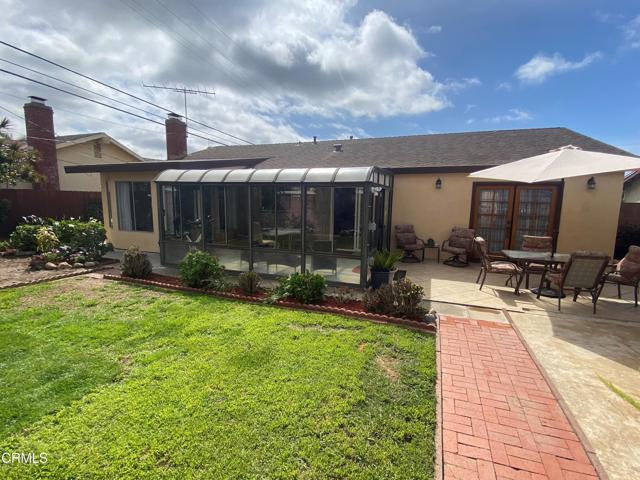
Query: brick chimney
{"x": 176, "y": 131}
{"x": 38, "y": 118}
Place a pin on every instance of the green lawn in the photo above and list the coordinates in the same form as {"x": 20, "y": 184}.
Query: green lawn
{"x": 118, "y": 381}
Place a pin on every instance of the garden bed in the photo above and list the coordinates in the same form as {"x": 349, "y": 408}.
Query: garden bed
{"x": 15, "y": 272}
{"x": 352, "y": 308}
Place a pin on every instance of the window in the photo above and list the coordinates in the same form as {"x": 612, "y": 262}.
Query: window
{"x": 191, "y": 213}
{"x": 237, "y": 212}
{"x": 289, "y": 217}
{"x": 97, "y": 149}
{"x": 263, "y": 221}
{"x": 134, "y": 206}
{"x": 214, "y": 216}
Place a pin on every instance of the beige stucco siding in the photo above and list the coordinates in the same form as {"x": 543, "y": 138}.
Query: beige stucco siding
{"x": 432, "y": 211}
{"x": 82, "y": 154}
{"x": 147, "y": 241}
{"x": 589, "y": 218}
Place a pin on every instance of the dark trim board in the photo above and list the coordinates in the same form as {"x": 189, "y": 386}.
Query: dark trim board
{"x": 164, "y": 165}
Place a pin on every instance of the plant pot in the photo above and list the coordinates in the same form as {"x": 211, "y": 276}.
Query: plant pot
{"x": 380, "y": 277}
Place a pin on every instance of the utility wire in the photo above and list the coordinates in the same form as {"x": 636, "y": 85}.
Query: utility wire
{"x": 99, "y": 103}
{"x": 75, "y": 72}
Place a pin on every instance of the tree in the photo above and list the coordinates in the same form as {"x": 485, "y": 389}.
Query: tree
{"x": 17, "y": 159}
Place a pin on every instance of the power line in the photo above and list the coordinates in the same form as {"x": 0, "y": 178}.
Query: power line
{"x": 99, "y": 103}
{"x": 75, "y": 72}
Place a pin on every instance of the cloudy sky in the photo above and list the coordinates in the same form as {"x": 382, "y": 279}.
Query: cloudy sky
{"x": 285, "y": 70}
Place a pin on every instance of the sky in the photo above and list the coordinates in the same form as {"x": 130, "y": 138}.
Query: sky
{"x": 286, "y": 70}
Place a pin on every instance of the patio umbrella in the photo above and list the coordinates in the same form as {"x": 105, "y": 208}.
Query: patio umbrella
{"x": 564, "y": 162}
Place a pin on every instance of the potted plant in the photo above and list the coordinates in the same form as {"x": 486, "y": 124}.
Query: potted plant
{"x": 383, "y": 267}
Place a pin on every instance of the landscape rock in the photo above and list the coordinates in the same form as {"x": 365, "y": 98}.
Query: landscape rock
{"x": 90, "y": 264}
{"x": 78, "y": 265}
{"x": 50, "y": 266}
{"x": 64, "y": 265}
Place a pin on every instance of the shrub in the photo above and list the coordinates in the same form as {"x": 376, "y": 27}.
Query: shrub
{"x": 46, "y": 240}
{"x": 136, "y": 263}
{"x": 402, "y": 298}
{"x": 90, "y": 237}
{"x": 53, "y": 257}
{"x": 199, "y": 269}
{"x": 249, "y": 282}
{"x": 4, "y": 245}
{"x": 305, "y": 287}
{"x": 385, "y": 261}
{"x": 380, "y": 300}
{"x": 24, "y": 237}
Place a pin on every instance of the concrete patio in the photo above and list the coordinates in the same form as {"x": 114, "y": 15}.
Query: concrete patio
{"x": 444, "y": 284}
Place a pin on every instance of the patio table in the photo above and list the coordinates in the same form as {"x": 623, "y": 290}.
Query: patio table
{"x": 522, "y": 257}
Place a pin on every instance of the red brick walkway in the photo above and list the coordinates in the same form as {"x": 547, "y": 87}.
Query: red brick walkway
{"x": 499, "y": 417}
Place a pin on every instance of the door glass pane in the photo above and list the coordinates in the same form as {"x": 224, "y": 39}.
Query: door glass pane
{"x": 491, "y": 217}
{"x": 142, "y": 206}
{"x": 214, "y": 216}
{"x": 346, "y": 219}
{"x": 533, "y": 213}
{"x": 237, "y": 222}
{"x": 191, "y": 213}
{"x": 319, "y": 226}
{"x": 263, "y": 209}
{"x": 171, "y": 214}
{"x": 289, "y": 217}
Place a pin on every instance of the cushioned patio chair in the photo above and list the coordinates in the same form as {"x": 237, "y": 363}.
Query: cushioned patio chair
{"x": 532, "y": 243}
{"x": 627, "y": 272}
{"x": 492, "y": 265}
{"x": 460, "y": 246}
{"x": 408, "y": 241}
{"x": 583, "y": 271}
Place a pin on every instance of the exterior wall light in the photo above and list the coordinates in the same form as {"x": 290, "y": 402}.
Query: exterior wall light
{"x": 591, "y": 183}
{"x": 438, "y": 184}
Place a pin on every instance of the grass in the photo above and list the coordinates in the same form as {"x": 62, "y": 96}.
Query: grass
{"x": 119, "y": 381}
{"x": 622, "y": 394}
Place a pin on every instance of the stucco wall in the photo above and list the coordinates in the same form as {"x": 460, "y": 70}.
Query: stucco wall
{"x": 147, "y": 241}
{"x": 433, "y": 212}
{"x": 588, "y": 220}
{"x": 82, "y": 154}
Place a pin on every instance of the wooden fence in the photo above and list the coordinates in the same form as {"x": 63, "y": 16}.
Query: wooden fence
{"x": 48, "y": 203}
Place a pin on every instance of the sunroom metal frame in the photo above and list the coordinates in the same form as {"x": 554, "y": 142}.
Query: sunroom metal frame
{"x": 371, "y": 179}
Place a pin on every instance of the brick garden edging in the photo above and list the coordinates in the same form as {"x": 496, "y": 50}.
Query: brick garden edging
{"x": 74, "y": 273}
{"x": 374, "y": 317}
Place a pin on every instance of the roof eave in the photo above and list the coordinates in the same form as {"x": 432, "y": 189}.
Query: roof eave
{"x": 163, "y": 165}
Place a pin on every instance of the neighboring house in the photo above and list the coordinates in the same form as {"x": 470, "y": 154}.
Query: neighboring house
{"x": 57, "y": 152}
{"x": 631, "y": 192}
{"x": 347, "y": 212}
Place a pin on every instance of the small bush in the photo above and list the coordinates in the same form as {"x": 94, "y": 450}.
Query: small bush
{"x": 24, "y": 237}
{"x": 344, "y": 295}
{"x": 380, "y": 300}
{"x": 53, "y": 257}
{"x": 305, "y": 287}
{"x": 4, "y": 245}
{"x": 136, "y": 263}
{"x": 199, "y": 269}
{"x": 249, "y": 282}
{"x": 46, "y": 240}
{"x": 402, "y": 299}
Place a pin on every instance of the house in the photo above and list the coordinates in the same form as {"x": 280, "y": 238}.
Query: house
{"x": 248, "y": 204}
{"x": 59, "y": 151}
{"x": 631, "y": 192}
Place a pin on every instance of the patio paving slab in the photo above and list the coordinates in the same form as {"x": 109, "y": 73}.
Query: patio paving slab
{"x": 500, "y": 419}
{"x": 577, "y": 353}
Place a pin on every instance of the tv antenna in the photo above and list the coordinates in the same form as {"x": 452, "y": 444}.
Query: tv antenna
{"x": 184, "y": 90}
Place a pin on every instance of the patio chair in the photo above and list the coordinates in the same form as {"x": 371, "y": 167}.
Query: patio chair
{"x": 490, "y": 264}
{"x": 627, "y": 272}
{"x": 408, "y": 241}
{"x": 460, "y": 246}
{"x": 532, "y": 243}
{"x": 583, "y": 271}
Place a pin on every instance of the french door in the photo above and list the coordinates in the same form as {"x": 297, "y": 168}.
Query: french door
{"x": 503, "y": 213}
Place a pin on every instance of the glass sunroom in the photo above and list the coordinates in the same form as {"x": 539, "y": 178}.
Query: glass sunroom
{"x": 278, "y": 221}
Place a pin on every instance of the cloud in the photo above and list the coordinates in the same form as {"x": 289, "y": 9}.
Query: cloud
{"x": 433, "y": 29}
{"x": 631, "y": 32}
{"x": 542, "y": 66}
{"x": 504, "y": 86}
{"x": 274, "y": 64}
{"x": 514, "y": 115}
